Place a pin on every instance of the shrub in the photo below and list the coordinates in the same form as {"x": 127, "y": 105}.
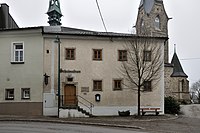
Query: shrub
{"x": 171, "y": 105}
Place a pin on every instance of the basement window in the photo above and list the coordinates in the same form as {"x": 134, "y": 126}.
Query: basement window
{"x": 9, "y": 94}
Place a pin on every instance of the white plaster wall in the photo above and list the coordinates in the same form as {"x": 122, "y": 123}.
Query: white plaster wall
{"x": 27, "y": 75}
{"x": 105, "y": 70}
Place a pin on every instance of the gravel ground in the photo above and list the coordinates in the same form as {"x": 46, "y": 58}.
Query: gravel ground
{"x": 192, "y": 111}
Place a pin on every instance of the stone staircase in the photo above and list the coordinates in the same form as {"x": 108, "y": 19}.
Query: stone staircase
{"x": 74, "y": 111}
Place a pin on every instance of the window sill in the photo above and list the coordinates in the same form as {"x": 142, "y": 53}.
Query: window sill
{"x": 97, "y": 59}
{"x": 9, "y": 99}
{"x": 117, "y": 89}
{"x": 69, "y": 58}
{"x": 17, "y": 62}
{"x": 122, "y": 60}
{"x": 97, "y": 90}
{"x": 25, "y": 98}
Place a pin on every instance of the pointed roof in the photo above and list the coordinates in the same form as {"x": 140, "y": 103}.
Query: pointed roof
{"x": 177, "y": 70}
{"x": 54, "y": 5}
{"x": 148, "y": 4}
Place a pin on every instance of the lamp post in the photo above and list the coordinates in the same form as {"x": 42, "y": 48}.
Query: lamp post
{"x": 58, "y": 42}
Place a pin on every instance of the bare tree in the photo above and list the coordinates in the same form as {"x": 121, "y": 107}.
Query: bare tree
{"x": 196, "y": 91}
{"x": 144, "y": 65}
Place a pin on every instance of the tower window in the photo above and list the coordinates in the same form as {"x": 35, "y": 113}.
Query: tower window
{"x": 142, "y": 23}
{"x": 157, "y": 23}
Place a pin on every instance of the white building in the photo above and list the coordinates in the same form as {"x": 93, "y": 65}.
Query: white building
{"x": 90, "y": 79}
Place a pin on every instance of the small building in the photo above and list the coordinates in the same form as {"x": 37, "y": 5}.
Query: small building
{"x": 176, "y": 83}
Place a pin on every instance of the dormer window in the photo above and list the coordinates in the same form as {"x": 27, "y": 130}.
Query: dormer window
{"x": 157, "y": 23}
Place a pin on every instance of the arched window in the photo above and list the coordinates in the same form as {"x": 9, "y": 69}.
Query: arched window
{"x": 142, "y": 26}
{"x": 142, "y": 23}
{"x": 157, "y": 23}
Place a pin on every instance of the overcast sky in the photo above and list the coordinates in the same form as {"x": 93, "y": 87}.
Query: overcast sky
{"x": 120, "y": 16}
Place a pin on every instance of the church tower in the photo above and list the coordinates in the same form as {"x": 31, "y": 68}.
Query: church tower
{"x": 54, "y": 13}
{"x": 152, "y": 20}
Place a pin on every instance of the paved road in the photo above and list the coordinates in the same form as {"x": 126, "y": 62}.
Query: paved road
{"x": 35, "y": 127}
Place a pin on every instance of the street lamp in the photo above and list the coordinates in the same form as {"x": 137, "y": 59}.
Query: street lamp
{"x": 58, "y": 42}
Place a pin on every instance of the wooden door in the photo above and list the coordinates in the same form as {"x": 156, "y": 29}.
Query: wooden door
{"x": 70, "y": 95}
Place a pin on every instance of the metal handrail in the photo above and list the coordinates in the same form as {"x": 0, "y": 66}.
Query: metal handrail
{"x": 80, "y": 100}
{"x": 91, "y": 105}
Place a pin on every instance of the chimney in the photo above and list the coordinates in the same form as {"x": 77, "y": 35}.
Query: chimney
{"x": 4, "y": 15}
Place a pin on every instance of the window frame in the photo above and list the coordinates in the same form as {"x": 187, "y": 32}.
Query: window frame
{"x": 114, "y": 84}
{"x": 157, "y": 22}
{"x": 147, "y": 55}
{"x": 96, "y": 86}
{"x": 23, "y": 90}
{"x": 147, "y": 86}
{"x": 122, "y": 54}
{"x": 13, "y": 53}
{"x": 96, "y": 57}
{"x": 70, "y": 53}
{"x": 7, "y": 94}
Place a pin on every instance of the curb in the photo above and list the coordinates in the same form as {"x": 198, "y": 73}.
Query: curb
{"x": 71, "y": 122}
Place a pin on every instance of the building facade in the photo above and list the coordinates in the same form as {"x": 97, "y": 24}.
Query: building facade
{"x": 89, "y": 73}
{"x": 21, "y": 72}
{"x": 55, "y": 70}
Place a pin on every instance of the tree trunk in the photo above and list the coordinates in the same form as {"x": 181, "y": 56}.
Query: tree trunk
{"x": 138, "y": 101}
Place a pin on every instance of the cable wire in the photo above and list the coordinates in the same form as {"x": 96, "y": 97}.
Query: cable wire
{"x": 191, "y": 59}
{"x": 101, "y": 16}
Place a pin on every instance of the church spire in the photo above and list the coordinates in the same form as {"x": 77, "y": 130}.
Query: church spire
{"x": 177, "y": 69}
{"x": 54, "y": 13}
{"x": 148, "y": 4}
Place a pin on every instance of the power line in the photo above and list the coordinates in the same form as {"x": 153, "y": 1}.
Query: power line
{"x": 101, "y": 16}
{"x": 191, "y": 59}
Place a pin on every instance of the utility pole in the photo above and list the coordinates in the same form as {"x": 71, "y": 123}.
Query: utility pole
{"x": 58, "y": 42}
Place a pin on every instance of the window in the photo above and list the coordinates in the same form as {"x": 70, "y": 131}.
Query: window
{"x": 70, "y": 54}
{"x": 142, "y": 23}
{"x": 147, "y": 55}
{"x": 97, "y": 54}
{"x": 9, "y": 94}
{"x": 157, "y": 23}
{"x": 25, "y": 93}
{"x": 117, "y": 85}
{"x": 147, "y": 85}
{"x": 122, "y": 55}
{"x": 17, "y": 53}
{"x": 97, "y": 85}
